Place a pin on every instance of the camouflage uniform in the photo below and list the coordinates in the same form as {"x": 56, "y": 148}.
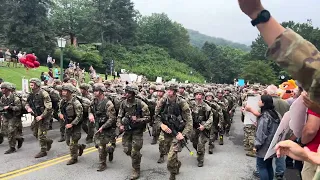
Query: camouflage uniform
{"x": 12, "y": 116}
{"x": 23, "y": 100}
{"x": 132, "y": 139}
{"x": 72, "y": 112}
{"x": 156, "y": 129}
{"x": 178, "y": 108}
{"x": 201, "y": 114}
{"x": 217, "y": 126}
{"x": 87, "y": 126}
{"x": 232, "y": 104}
{"x": 224, "y": 106}
{"x": 61, "y": 121}
{"x": 40, "y": 103}
{"x": 55, "y": 99}
{"x": 300, "y": 58}
{"x": 105, "y": 118}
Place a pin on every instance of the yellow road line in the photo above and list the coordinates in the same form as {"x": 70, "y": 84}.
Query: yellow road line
{"x": 45, "y": 164}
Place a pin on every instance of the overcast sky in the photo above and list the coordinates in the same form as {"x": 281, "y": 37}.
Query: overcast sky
{"x": 223, "y": 18}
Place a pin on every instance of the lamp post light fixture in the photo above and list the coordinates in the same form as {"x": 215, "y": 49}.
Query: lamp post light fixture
{"x": 62, "y": 44}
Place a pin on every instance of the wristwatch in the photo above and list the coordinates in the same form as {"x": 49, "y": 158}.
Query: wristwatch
{"x": 263, "y": 17}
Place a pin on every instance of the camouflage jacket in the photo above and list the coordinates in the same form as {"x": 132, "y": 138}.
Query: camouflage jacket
{"x": 216, "y": 110}
{"x": 72, "y": 111}
{"x": 300, "y": 58}
{"x": 185, "y": 113}
{"x": 14, "y": 104}
{"x": 104, "y": 113}
{"x": 202, "y": 111}
{"x": 42, "y": 103}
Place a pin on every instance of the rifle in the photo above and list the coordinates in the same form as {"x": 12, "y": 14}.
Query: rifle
{"x": 173, "y": 124}
{"x": 197, "y": 120}
{"x": 36, "y": 111}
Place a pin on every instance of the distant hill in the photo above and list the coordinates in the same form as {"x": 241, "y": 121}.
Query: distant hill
{"x": 197, "y": 39}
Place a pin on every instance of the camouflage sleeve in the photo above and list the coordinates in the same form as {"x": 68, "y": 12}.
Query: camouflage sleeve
{"x": 47, "y": 105}
{"x": 79, "y": 112}
{"x": 208, "y": 124}
{"x": 120, "y": 115}
{"x": 186, "y": 115}
{"x": 17, "y": 105}
{"x": 60, "y": 105}
{"x": 300, "y": 58}
{"x": 111, "y": 114}
{"x": 157, "y": 115}
{"x": 145, "y": 112}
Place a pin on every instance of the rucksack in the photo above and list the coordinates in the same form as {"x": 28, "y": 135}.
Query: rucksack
{"x": 23, "y": 103}
{"x": 54, "y": 96}
{"x": 85, "y": 102}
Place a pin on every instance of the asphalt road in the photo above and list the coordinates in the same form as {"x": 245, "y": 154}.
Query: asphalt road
{"x": 228, "y": 162}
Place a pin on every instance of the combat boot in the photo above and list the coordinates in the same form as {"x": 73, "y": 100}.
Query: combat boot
{"x": 62, "y": 138}
{"x": 221, "y": 140}
{"x": 172, "y": 176}
{"x": 81, "y": 148}
{"x": 211, "y": 147}
{"x": 161, "y": 159}
{"x": 251, "y": 153}
{"x": 110, "y": 156}
{"x": 41, "y": 154}
{"x": 72, "y": 161}
{"x": 20, "y": 142}
{"x": 200, "y": 163}
{"x": 135, "y": 174}
{"x": 89, "y": 140}
{"x": 49, "y": 144}
{"x": 154, "y": 140}
{"x": 1, "y": 138}
{"x": 11, "y": 150}
{"x": 102, "y": 167}
{"x": 227, "y": 134}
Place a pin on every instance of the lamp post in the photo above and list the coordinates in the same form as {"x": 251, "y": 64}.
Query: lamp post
{"x": 61, "y": 44}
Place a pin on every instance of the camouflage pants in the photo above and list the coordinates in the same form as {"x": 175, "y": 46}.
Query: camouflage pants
{"x": 132, "y": 142}
{"x": 165, "y": 141}
{"x": 199, "y": 141}
{"x": 173, "y": 162}
{"x": 73, "y": 135}
{"x": 62, "y": 127}
{"x": 249, "y": 134}
{"x": 155, "y": 131}
{"x": 227, "y": 122}
{"x": 40, "y": 130}
{"x": 13, "y": 134}
{"x": 88, "y": 127}
{"x": 105, "y": 138}
{"x": 4, "y": 126}
{"x": 215, "y": 130}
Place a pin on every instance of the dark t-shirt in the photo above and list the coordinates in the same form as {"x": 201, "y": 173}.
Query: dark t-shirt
{"x": 1, "y": 55}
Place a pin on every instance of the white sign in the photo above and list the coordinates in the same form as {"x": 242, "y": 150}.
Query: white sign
{"x": 298, "y": 116}
{"x": 139, "y": 79}
{"x": 159, "y": 80}
{"x": 128, "y": 77}
{"x": 123, "y": 71}
{"x": 25, "y": 85}
{"x": 186, "y": 82}
{"x": 280, "y": 135}
{"x": 173, "y": 80}
{"x": 249, "y": 118}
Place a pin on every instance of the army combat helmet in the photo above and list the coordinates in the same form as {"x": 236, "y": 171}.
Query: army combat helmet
{"x": 209, "y": 94}
{"x": 173, "y": 86}
{"x": 132, "y": 89}
{"x": 198, "y": 90}
{"x": 84, "y": 86}
{"x": 99, "y": 87}
{"x": 68, "y": 87}
{"x": 6, "y": 85}
{"x": 161, "y": 88}
{"x": 36, "y": 81}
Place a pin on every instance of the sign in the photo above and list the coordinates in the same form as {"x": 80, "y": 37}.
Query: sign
{"x": 241, "y": 82}
{"x": 128, "y": 77}
{"x": 280, "y": 135}
{"x": 186, "y": 82}
{"x": 159, "y": 80}
{"x": 249, "y": 118}
{"x": 122, "y": 71}
{"x": 298, "y": 116}
{"x": 139, "y": 79}
{"x": 25, "y": 85}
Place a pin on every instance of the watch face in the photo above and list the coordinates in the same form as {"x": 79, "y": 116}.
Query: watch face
{"x": 265, "y": 16}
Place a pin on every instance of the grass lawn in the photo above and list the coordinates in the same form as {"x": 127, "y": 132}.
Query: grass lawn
{"x": 15, "y": 75}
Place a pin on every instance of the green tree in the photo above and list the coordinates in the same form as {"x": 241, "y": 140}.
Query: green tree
{"x": 258, "y": 72}
{"x": 28, "y": 26}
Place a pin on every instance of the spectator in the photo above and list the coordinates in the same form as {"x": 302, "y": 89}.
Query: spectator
{"x": 8, "y": 57}
{"x": 50, "y": 73}
{"x": 296, "y": 93}
{"x": 56, "y": 73}
{"x": 268, "y": 122}
{"x": 42, "y": 76}
{"x": 49, "y": 62}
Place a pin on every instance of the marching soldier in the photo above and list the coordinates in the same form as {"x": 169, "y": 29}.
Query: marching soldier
{"x": 71, "y": 112}
{"x": 202, "y": 122}
{"x": 173, "y": 115}
{"x": 132, "y": 118}
{"x": 40, "y": 106}
{"x": 103, "y": 114}
{"x": 87, "y": 126}
{"x": 224, "y": 106}
{"x": 11, "y": 104}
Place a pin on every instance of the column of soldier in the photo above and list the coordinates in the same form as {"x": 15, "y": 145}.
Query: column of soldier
{"x": 201, "y": 113}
